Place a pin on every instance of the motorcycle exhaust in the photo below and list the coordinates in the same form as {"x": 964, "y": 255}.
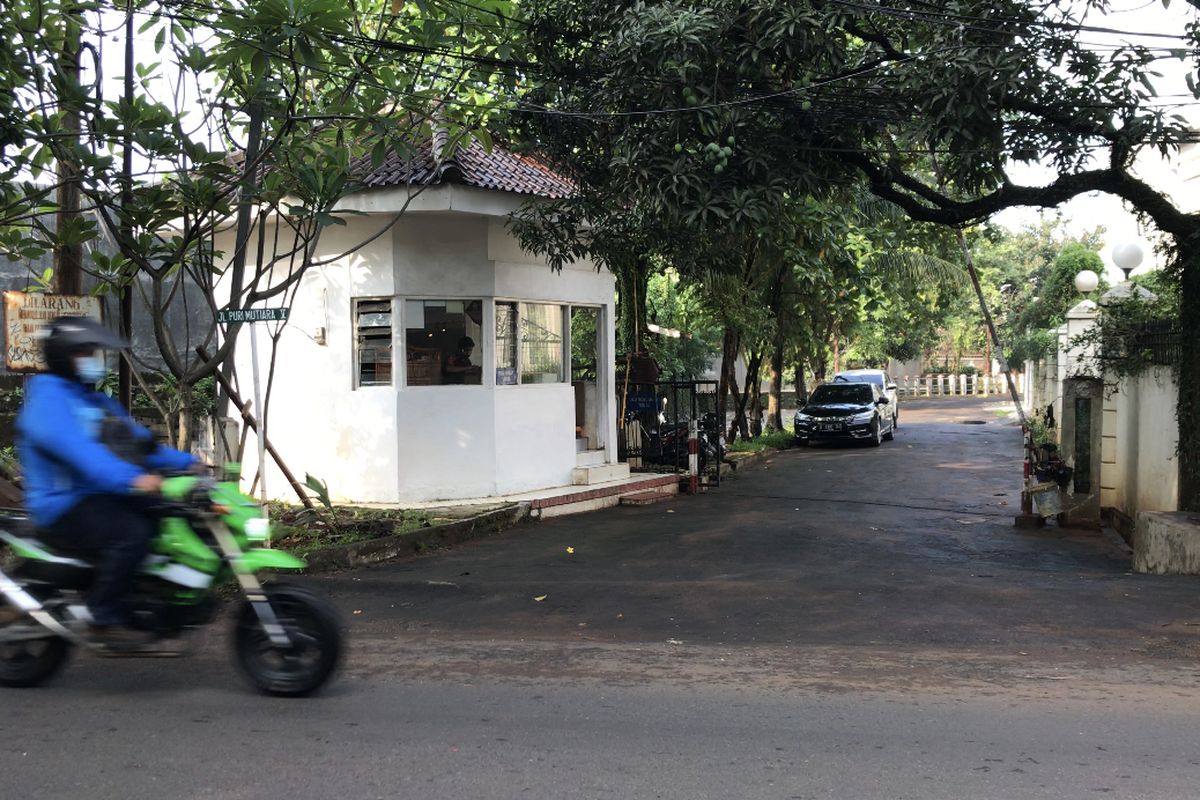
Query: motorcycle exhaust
{"x": 18, "y": 596}
{"x": 28, "y": 604}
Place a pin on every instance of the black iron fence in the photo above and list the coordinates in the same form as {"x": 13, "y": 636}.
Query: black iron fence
{"x": 1146, "y": 344}
{"x": 653, "y": 427}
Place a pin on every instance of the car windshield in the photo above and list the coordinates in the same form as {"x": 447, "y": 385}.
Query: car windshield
{"x": 875, "y": 379}
{"x": 842, "y": 393}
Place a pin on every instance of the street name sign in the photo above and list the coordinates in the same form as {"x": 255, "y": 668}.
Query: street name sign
{"x": 232, "y": 316}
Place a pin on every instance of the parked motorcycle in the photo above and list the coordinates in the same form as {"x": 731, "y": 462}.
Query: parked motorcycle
{"x": 287, "y": 639}
{"x": 673, "y": 442}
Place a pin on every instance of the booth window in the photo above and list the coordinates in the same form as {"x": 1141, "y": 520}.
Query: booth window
{"x": 506, "y": 344}
{"x": 542, "y": 331}
{"x": 442, "y": 340}
{"x": 373, "y": 341}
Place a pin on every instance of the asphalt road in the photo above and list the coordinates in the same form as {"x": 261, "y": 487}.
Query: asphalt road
{"x": 841, "y": 622}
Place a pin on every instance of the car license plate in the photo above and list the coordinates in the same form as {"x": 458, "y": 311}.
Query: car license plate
{"x": 830, "y": 426}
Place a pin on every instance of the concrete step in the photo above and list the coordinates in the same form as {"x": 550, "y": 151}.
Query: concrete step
{"x": 590, "y": 458}
{"x": 578, "y": 499}
{"x": 644, "y": 498}
{"x": 599, "y": 473}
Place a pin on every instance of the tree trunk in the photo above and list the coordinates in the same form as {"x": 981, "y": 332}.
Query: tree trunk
{"x": 754, "y": 391}
{"x": 739, "y": 416}
{"x": 801, "y": 384}
{"x": 185, "y": 431}
{"x": 125, "y": 317}
{"x": 633, "y": 282}
{"x": 729, "y": 348}
{"x": 68, "y": 258}
{"x": 774, "y": 398}
{"x": 837, "y": 351}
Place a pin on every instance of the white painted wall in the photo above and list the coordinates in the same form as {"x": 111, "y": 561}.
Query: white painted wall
{"x": 1141, "y": 468}
{"x": 398, "y": 444}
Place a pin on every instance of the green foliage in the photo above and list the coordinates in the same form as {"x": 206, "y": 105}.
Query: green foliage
{"x": 1028, "y": 278}
{"x": 1040, "y": 432}
{"x": 320, "y": 489}
{"x": 682, "y": 307}
{"x": 10, "y": 465}
{"x": 164, "y": 390}
{"x": 242, "y": 109}
{"x": 779, "y": 440}
{"x": 1138, "y": 331}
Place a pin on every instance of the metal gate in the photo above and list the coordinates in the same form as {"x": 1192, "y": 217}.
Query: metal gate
{"x": 655, "y": 420}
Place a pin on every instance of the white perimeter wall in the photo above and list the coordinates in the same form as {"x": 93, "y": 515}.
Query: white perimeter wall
{"x": 396, "y": 444}
{"x": 1139, "y": 465}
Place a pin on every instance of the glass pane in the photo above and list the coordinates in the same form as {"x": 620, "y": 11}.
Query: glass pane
{"x": 584, "y": 343}
{"x": 1083, "y": 444}
{"x": 541, "y": 343}
{"x": 440, "y": 339}
{"x": 506, "y": 344}
{"x": 373, "y": 341}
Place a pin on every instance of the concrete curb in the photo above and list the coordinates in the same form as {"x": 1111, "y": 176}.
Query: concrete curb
{"x": 738, "y": 462}
{"x": 413, "y": 543}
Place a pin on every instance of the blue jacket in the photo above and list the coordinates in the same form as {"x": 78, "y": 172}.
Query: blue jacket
{"x": 62, "y": 459}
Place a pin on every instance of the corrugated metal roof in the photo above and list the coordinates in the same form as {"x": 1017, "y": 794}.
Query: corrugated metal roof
{"x": 470, "y": 164}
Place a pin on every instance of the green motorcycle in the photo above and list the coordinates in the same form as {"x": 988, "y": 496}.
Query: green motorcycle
{"x": 287, "y": 639}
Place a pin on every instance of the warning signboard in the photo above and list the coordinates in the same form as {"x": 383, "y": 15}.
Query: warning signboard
{"x": 26, "y": 313}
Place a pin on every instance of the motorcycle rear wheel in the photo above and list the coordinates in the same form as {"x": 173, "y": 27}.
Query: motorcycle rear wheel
{"x": 312, "y": 625}
{"x": 30, "y": 662}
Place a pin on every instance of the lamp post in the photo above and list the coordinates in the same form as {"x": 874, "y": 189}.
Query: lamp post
{"x": 1087, "y": 281}
{"x": 1127, "y": 256}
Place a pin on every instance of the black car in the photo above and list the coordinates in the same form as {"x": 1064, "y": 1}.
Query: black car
{"x": 845, "y": 412}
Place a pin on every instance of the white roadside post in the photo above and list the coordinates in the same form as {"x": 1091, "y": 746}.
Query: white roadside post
{"x": 236, "y": 316}
{"x": 693, "y": 457}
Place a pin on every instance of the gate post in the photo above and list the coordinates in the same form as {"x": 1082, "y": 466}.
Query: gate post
{"x": 693, "y": 456}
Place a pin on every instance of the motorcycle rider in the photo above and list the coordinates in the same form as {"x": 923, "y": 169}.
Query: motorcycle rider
{"x": 87, "y": 471}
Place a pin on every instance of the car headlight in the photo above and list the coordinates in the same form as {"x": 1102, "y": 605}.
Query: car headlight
{"x": 863, "y": 418}
{"x": 802, "y": 417}
{"x": 256, "y": 529}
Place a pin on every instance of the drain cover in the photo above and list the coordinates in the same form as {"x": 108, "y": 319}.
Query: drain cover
{"x": 974, "y": 422}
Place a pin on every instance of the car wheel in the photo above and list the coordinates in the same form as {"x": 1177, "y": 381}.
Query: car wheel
{"x": 891, "y": 432}
{"x": 876, "y": 432}
{"x": 896, "y": 418}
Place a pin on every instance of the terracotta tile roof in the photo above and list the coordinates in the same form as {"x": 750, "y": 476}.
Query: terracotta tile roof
{"x": 471, "y": 165}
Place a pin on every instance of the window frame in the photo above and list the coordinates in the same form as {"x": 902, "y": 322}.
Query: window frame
{"x": 483, "y": 347}
{"x": 356, "y": 345}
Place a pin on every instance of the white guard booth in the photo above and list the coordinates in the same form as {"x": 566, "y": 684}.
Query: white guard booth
{"x": 431, "y": 358}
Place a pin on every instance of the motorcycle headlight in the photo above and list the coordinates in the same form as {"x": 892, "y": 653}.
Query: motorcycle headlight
{"x": 257, "y": 529}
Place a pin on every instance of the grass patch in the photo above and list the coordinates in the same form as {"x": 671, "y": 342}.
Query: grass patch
{"x": 780, "y": 440}
{"x": 300, "y": 531}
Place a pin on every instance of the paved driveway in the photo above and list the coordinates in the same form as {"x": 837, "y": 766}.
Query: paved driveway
{"x": 907, "y": 551}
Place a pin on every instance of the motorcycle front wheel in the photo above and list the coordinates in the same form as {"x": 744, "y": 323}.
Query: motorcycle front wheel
{"x": 27, "y": 658}
{"x": 315, "y": 632}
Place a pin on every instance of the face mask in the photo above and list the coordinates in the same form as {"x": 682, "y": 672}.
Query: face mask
{"x": 91, "y": 369}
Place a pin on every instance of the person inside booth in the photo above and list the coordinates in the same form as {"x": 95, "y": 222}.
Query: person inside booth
{"x": 457, "y": 367}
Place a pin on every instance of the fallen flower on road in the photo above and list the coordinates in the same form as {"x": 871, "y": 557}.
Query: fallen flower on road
{"x": 570, "y": 551}
{"x": 540, "y": 598}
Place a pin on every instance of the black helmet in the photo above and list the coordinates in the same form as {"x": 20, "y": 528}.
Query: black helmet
{"x": 70, "y": 336}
